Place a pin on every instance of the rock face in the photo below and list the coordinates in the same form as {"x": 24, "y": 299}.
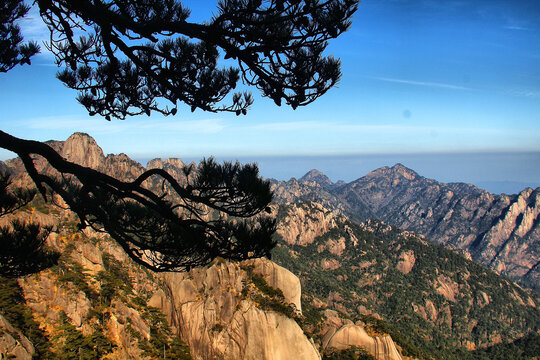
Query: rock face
{"x": 83, "y": 150}
{"x": 303, "y": 224}
{"x": 279, "y": 278}
{"x": 406, "y": 261}
{"x": 342, "y": 334}
{"x": 372, "y": 271}
{"x": 222, "y": 311}
{"x": 219, "y": 311}
{"x": 216, "y": 316}
{"x": 74, "y": 294}
{"x": 13, "y": 342}
{"x": 317, "y": 177}
{"x": 499, "y": 231}
{"x": 382, "y": 347}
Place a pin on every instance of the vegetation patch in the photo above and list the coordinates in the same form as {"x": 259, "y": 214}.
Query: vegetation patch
{"x": 14, "y": 309}
{"x": 267, "y": 297}
{"x": 417, "y": 315}
{"x": 72, "y": 344}
{"x": 352, "y": 353}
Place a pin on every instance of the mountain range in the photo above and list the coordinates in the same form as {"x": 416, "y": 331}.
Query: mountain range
{"x": 498, "y": 231}
{"x": 383, "y": 263}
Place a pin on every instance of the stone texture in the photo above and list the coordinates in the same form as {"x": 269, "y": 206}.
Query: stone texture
{"x": 382, "y": 347}
{"x": 406, "y": 261}
{"x": 342, "y": 334}
{"x": 317, "y": 177}
{"x": 306, "y": 221}
{"x": 218, "y": 322}
{"x": 13, "y": 342}
{"x": 280, "y": 278}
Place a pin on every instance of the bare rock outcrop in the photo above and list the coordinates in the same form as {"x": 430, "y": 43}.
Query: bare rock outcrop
{"x": 82, "y": 149}
{"x": 342, "y": 334}
{"x": 13, "y": 343}
{"x": 499, "y": 231}
{"x": 214, "y": 313}
{"x": 382, "y": 347}
{"x": 306, "y": 221}
{"x": 317, "y": 177}
{"x": 406, "y": 261}
{"x": 68, "y": 294}
{"x": 279, "y": 278}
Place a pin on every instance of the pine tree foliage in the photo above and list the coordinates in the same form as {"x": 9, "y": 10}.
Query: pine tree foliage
{"x": 217, "y": 211}
{"x": 13, "y": 51}
{"x": 22, "y": 244}
{"x": 128, "y": 57}
{"x": 134, "y": 53}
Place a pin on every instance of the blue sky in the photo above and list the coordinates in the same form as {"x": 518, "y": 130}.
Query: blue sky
{"x": 419, "y": 78}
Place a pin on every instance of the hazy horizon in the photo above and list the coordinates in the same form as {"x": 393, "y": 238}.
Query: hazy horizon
{"x": 418, "y": 77}
{"x": 497, "y": 173}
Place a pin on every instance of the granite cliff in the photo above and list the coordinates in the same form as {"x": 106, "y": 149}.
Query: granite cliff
{"x": 98, "y": 301}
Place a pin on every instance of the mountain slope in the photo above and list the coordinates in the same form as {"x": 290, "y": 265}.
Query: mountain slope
{"x": 97, "y": 303}
{"x": 362, "y": 281}
{"x": 435, "y": 302}
{"x": 499, "y": 231}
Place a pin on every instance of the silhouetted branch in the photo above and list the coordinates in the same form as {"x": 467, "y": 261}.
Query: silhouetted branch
{"x": 23, "y": 250}
{"x": 210, "y": 215}
{"x": 12, "y": 51}
{"x": 136, "y": 53}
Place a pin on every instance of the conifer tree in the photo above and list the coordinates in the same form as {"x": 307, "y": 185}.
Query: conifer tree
{"x": 138, "y": 57}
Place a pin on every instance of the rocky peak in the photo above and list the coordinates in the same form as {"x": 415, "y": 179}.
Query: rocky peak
{"x": 82, "y": 149}
{"x": 404, "y": 171}
{"x": 397, "y": 171}
{"x": 317, "y": 177}
{"x": 156, "y": 163}
{"x": 176, "y": 162}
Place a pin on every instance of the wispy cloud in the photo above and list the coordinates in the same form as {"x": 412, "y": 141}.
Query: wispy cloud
{"x": 422, "y": 83}
{"x": 533, "y": 94}
{"x": 99, "y": 125}
{"x": 337, "y": 127}
{"x": 519, "y": 28}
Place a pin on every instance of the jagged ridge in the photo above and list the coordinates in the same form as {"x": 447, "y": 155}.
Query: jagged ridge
{"x": 499, "y": 231}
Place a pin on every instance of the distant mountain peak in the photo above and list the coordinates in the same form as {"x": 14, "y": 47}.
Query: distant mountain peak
{"x": 318, "y": 177}
{"x": 312, "y": 173}
{"x": 396, "y": 170}
{"x": 404, "y": 171}
{"x": 82, "y": 149}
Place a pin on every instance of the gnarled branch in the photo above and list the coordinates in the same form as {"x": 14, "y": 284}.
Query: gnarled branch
{"x": 124, "y": 65}
{"x": 173, "y": 228}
